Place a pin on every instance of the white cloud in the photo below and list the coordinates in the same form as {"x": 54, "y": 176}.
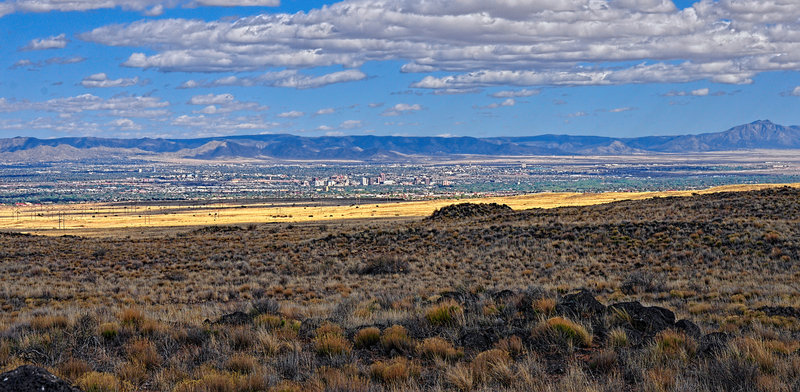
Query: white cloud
{"x": 240, "y": 3}
{"x": 375, "y": 104}
{"x": 351, "y": 124}
{"x": 286, "y": 78}
{"x": 507, "y": 103}
{"x": 85, "y": 102}
{"x": 102, "y": 80}
{"x": 211, "y": 99}
{"x": 325, "y": 111}
{"x": 487, "y": 43}
{"x": 796, "y": 91}
{"x": 516, "y": 93}
{"x": 291, "y": 114}
{"x": 148, "y": 7}
{"x": 52, "y": 60}
{"x": 223, "y": 103}
{"x": 623, "y": 109}
{"x": 701, "y": 92}
{"x": 577, "y": 114}
{"x": 54, "y": 42}
{"x": 125, "y": 124}
{"x": 223, "y": 124}
{"x": 401, "y": 108}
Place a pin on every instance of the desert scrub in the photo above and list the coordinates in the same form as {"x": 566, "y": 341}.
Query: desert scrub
{"x": 563, "y": 331}
{"x": 493, "y": 365}
{"x": 436, "y": 347}
{"x": 396, "y": 371}
{"x": 101, "y": 382}
{"x": 448, "y": 313}
{"x": 241, "y": 363}
{"x": 143, "y": 352}
{"x": 72, "y": 369}
{"x": 131, "y": 317}
{"x": 618, "y": 338}
{"x": 367, "y": 337}
{"x": 46, "y": 322}
{"x": 346, "y": 379}
{"x": 108, "y": 330}
{"x": 330, "y": 340}
{"x": 396, "y": 338}
{"x": 673, "y": 345}
{"x": 460, "y": 377}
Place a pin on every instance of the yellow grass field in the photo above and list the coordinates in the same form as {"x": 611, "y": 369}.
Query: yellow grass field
{"x": 97, "y": 219}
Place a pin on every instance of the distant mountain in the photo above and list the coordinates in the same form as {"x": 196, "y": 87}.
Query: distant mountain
{"x": 757, "y": 135}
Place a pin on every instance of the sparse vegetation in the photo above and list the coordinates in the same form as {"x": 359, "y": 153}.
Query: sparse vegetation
{"x": 691, "y": 294}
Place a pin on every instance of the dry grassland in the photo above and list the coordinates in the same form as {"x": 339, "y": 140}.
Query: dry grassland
{"x": 108, "y": 219}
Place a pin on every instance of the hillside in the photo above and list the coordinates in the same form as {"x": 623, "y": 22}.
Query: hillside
{"x": 698, "y": 292}
{"x": 756, "y": 135}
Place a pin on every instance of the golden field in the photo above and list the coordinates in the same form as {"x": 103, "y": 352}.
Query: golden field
{"x": 99, "y": 219}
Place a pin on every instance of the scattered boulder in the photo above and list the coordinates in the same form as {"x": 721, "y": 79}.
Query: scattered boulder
{"x": 33, "y": 379}
{"x": 581, "y": 304}
{"x": 713, "y": 343}
{"x": 469, "y": 210}
{"x": 649, "y": 320}
{"x": 235, "y": 318}
{"x": 384, "y": 266}
{"x": 689, "y": 328}
{"x": 783, "y": 311}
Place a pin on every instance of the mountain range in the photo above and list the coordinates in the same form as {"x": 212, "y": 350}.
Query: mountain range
{"x": 761, "y": 134}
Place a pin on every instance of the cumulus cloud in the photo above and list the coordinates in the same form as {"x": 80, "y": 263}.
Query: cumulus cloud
{"x": 291, "y": 114}
{"x": 223, "y": 103}
{"x": 52, "y": 60}
{"x": 148, "y": 7}
{"x": 325, "y": 111}
{"x": 240, "y": 3}
{"x": 487, "y": 43}
{"x": 507, "y": 103}
{"x": 701, "y": 92}
{"x": 54, "y": 42}
{"x": 223, "y": 124}
{"x": 516, "y": 93}
{"x": 102, "y": 80}
{"x": 125, "y": 124}
{"x": 622, "y": 109}
{"x": 286, "y": 78}
{"x": 796, "y": 91}
{"x": 401, "y": 108}
{"x": 85, "y": 102}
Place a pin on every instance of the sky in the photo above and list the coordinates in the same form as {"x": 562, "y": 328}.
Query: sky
{"x": 198, "y": 68}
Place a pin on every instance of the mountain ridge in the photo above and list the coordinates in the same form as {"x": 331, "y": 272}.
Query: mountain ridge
{"x": 761, "y": 134}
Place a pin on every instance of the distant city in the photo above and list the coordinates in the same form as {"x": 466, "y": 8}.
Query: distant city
{"x": 147, "y": 181}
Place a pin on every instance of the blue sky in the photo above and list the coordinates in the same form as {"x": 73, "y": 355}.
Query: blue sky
{"x": 192, "y": 68}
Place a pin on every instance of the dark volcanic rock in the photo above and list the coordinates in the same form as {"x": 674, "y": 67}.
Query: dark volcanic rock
{"x": 235, "y": 318}
{"x": 581, "y": 304}
{"x": 646, "y": 319}
{"x": 689, "y": 328}
{"x": 713, "y": 343}
{"x": 477, "y": 339}
{"x": 468, "y": 210}
{"x": 784, "y": 311}
{"x": 33, "y": 379}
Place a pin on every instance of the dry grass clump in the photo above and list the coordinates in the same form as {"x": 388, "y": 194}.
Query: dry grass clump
{"x": 563, "y": 331}
{"x": 45, "y": 322}
{"x": 448, "y": 313}
{"x": 102, "y": 382}
{"x": 396, "y": 371}
{"x": 367, "y": 337}
{"x": 72, "y": 369}
{"x": 494, "y": 365}
{"x": 673, "y": 345}
{"x": 330, "y": 340}
{"x": 436, "y": 347}
{"x": 396, "y": 338}
{"x": 143, "y": 352}
{"x": 108, "y": 330}
{"x": 241, "y": 363}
